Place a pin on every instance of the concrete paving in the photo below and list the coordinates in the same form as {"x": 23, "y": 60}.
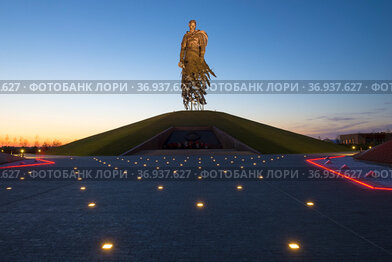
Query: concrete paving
{"x": 45, "y": 217}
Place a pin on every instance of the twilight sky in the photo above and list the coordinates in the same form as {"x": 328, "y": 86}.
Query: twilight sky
{"x": 248, "y": 40}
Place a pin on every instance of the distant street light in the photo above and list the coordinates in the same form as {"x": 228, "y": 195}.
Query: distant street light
{"x": 200, "y": 204}
{"x": 294, "y": 246}
{"x": 107, "y": 246}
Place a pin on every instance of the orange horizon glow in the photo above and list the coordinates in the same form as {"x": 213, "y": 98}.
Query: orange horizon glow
{"x": 65, "y": 126}
{"x": 6, "y": 140}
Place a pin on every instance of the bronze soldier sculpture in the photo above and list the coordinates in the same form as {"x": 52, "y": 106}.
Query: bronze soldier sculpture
{"x": 195, "y": 71}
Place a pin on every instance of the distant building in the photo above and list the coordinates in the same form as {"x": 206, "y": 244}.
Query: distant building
{"x": 335, "y": 141}
{"x": 365, "y": 138}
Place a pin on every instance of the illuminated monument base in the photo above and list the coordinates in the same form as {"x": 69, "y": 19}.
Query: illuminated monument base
{"x": 212, "y": 131}
{"x": 191, "y": 140}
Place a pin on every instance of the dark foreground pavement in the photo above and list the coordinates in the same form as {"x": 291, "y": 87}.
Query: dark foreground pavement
{"x": 50, "y": 220}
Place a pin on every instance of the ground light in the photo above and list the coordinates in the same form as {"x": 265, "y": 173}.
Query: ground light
{"x": 9, "y": 188}
{"x": 92, "y": 204}
{"x": 200, "y": 204}
{"x": 239, "y": 187}
{"x": 293, "y": 246}
{"x": 83, "y": 188}
{"x": 310, "y": 204}
{"x": 160, "y": 187}
{"x": 107, "y": 246}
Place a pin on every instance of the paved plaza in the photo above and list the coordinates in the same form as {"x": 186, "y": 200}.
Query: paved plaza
{"x": 191, "y": 208}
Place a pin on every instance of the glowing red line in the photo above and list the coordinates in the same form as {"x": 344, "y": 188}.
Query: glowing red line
{"x": 46, "y": 162}
{"x": 344, "y": 176}
{"x": 324, "y": 158}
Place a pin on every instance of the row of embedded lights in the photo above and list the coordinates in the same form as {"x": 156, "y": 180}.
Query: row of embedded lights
{"x": 185, "y": 160}
{"x": 213, "y": 159}
{"x": 199, "y": 205}
{"x": 139, "y": 177}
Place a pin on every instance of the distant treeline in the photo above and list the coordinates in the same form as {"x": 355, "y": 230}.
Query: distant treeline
{"x": 7, "y": 141}
{"x": 26, "y": 150}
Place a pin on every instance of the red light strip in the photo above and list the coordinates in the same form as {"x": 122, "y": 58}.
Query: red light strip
{"x": 344, "y": 176}
{"x": 45, "y": 162}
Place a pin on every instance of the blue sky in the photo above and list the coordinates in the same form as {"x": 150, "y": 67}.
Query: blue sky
{"x": 252, "y": 40}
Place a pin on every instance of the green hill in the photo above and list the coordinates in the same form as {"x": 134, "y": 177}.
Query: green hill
{"x": 266, "y": 139}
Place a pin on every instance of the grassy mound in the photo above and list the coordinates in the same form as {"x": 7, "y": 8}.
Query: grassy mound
{"x": 266, "y": 139}
{"x": 381, "y": 153}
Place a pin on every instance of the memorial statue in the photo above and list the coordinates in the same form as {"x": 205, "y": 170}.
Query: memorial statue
{"x": 195, "y": 71}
